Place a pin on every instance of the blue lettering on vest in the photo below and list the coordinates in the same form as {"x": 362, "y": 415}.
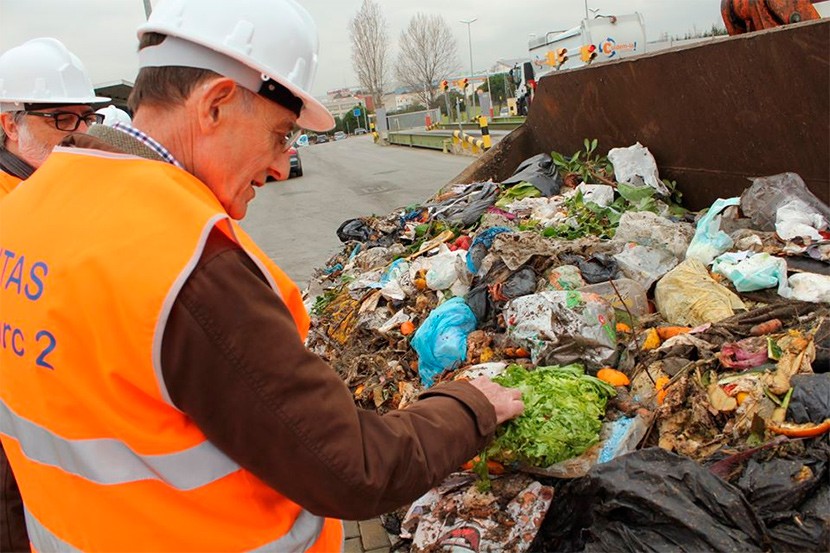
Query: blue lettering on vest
{"x": 16, "y": 275}
{"x": 36, "y": 280}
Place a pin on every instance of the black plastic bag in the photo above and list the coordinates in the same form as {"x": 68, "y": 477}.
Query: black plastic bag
{"x": 651, "y": 500}
{"x": 539, "y": 171}
{"x": 355, "y": 229}
{"x": 822, "y": 341}
{"x": 520, "y": 283}
{"x": 808, "y": 530}
{"x": 482, "y": 305}
{"x": 598, "y": 268}
{"x": 790, "y": 493}
{"x": 467, "y": 209}
{"x": 810, "y": 401}
{"x": 361, "y": 230}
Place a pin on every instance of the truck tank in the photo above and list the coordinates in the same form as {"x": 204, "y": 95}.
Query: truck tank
{"x": 713, "y": 114}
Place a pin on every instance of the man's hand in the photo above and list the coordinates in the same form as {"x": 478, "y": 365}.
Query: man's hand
{"x": 507, "y": 401}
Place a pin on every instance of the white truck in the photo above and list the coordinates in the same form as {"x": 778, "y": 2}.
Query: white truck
{"x": 611, "y": 36}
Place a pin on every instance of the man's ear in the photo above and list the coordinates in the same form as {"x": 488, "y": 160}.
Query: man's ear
{"x": 212, "y": 100}
{"x": 10, "y": 126}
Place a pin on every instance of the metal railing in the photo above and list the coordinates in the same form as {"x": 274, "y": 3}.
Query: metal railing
{"x": 412, "y": 120}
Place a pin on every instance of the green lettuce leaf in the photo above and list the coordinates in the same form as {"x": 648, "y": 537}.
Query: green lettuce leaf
{"x": 563, "y": 414}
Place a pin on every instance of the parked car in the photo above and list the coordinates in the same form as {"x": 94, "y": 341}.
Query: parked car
{"x": 296, "y": 164}
{"x": 360, "y": 130}
{"x": 340, "y": 135}
{"x": 321, "y": 138}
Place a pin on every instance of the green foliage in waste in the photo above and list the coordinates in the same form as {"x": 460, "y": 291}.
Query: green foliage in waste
{"x": 587, "y": 219}
{"x": 427, "y": 231}
{"x": 517, "y": 192}
{"x": 585, "y": 163}
{"x": 563, "y": 414}
{"x": 322, "y": 301}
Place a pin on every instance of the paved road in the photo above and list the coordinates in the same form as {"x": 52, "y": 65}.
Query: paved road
{"x": 295, "y": 221}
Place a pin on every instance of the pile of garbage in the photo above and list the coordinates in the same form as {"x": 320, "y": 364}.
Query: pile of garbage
{"x": 688, "y": 354}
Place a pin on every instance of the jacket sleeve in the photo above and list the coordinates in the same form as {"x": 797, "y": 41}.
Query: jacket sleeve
{"x": 233, "y": 361}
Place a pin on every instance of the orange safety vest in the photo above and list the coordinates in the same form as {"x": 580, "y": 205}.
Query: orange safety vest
{"x": 93, "y": 252}
{"x": 8, "y": 183}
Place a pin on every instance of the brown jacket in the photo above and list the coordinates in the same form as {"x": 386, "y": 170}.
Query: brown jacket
{"x": 280, "y": 411}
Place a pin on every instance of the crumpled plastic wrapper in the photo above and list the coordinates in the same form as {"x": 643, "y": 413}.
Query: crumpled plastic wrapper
{"x": 563, "y": 327}
{"x": 457, "y": 517}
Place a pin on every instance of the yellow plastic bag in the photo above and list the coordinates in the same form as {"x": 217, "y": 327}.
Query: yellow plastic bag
{"x": 688, "y": 296}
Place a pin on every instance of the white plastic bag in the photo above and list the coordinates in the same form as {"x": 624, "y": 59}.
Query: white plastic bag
{"x": 796, "y": 219}
{"x": 636, "y": 166}
{"x": 600, "y": 194}
{"x": 649, "y": 229}
{"x": 810, "y": 287}
{"x": 562, "y": 327}
{"x": 644, "y": 264}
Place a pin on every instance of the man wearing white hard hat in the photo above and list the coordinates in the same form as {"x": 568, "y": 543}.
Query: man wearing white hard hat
{"x": 45, "y": 94}
{"x": 113, "y": 115}
{"x": 179, "y": 409}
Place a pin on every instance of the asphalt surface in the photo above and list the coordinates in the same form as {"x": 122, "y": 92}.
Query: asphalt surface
{"x": 295, "y": 221}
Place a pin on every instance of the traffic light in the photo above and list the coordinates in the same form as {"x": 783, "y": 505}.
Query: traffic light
{"x": 465, "y": 83}
{"x": 588, "y": 53}
{"x": 445, "y": 86}
{"x": 561, "y": 56}
{"x": 551, "y": 58}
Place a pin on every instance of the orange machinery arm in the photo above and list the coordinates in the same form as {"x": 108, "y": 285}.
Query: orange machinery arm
{"x": 744, "y": 16}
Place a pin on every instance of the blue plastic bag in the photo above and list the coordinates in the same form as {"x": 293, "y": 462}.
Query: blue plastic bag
{"x": 481, "y": 243}
{"x": 750, "y": 271}
{"x": 709, "y": 240}
{"x": 394, "y": 271}
{"x": 441, "y": 340}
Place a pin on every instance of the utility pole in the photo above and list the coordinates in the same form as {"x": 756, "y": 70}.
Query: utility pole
{"x": 147, "y": 9}
{"x": 586, "y": 9}
{"x": 490, "y": 94}
{"x": 468, "y": 23}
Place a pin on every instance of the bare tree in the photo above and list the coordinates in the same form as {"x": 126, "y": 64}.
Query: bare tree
{"x": 370, "y": 48}
{"x": 428, "y": 53}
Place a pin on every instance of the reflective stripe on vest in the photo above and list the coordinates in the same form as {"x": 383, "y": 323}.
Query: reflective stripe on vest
{"x": 108, "y": 461}
{"x": 42, "y": 538}
{"x": 303, "y": 534}
{"x": 103, "y": 459}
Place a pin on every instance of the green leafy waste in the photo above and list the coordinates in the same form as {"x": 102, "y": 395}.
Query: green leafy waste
{"x": 563, "y": 415}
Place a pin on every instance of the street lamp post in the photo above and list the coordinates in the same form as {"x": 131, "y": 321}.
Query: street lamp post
{"x": 586, "y": 9}
{"x": 469, "y": 22}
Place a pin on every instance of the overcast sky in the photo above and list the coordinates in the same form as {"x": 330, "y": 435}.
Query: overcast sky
{"x": 102, "y": 32}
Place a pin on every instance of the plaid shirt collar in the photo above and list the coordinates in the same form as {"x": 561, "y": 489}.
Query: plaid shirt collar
{"x": 150, "y": 142}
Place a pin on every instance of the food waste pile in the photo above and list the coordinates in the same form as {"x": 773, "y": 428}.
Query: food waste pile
{"x": 674, "y": 364}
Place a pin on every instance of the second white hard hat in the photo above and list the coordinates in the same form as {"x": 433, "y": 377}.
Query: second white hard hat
{"x": 43, "y": 71}
{"x": 113, "y": 115}
{"x": 267, "y": 46}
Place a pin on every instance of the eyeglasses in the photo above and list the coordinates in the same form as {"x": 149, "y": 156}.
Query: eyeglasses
{"x": 68, "y": 121}
{"x": 290, "y": 139}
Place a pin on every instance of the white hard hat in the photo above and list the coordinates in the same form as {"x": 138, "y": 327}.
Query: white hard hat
{"x": 43, "y": 71}
{"x": 255, "y": 42}
{"x": 113, "y": 115}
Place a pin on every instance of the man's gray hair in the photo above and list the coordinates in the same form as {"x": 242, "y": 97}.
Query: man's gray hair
{"x": 17, "y": 117}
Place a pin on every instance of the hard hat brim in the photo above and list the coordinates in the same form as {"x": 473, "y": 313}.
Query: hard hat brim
{"x": 18, "y": 104}
{"x": 314, "y": 115}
